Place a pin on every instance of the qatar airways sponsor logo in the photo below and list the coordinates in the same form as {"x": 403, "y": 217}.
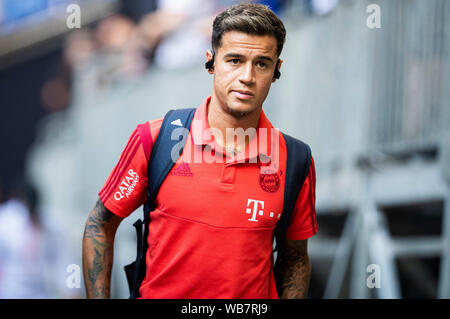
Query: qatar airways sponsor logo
{"x": 127, "y": 186}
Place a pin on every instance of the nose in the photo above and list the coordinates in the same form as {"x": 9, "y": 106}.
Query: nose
{"x": 247, "y": 75}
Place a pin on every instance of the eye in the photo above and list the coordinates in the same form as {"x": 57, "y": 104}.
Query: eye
{"x": 261, "y": 64}
{"x": 234, "y": 61}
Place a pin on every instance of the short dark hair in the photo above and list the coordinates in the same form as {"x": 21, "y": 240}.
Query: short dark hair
{"x": 255, "y": 19}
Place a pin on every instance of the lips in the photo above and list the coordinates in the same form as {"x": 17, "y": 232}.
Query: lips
{"x": 243, "y": 94}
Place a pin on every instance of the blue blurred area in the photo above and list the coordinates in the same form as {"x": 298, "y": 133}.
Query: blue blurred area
{"x": 14, "y": 10}
{"x": 275, "y": 5}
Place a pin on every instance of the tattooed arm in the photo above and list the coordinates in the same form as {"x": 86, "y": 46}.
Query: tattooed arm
{"x": 295, "y": 270}
{"x": 98, "y": 245}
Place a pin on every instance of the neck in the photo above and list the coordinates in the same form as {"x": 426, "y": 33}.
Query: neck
{"x": 219, "y": 119}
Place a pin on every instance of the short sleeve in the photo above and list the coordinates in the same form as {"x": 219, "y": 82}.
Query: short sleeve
{"x": 303, "y": 223}
{"x": 125, "y": 189}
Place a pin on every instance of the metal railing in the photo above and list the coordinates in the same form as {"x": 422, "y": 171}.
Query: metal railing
{"x": 410, "y": 77}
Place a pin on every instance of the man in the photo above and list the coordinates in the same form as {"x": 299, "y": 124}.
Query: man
{"x": 211, "y": 233}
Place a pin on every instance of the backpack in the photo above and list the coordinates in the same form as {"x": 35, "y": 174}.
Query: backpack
{"x": 160, "y": 164}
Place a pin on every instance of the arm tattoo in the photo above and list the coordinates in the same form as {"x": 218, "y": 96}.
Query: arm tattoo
{"x": 101, "y": 246}
{"x": 101, "y": 215}
{"x": 295, "y": 270}
{"x": 97, "y": 268}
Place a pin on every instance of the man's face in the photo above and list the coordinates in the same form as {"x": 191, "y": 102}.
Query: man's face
{"x": 243, "y": 72}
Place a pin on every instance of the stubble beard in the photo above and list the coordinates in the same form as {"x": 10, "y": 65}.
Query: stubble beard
{"x": 236, "y": 113}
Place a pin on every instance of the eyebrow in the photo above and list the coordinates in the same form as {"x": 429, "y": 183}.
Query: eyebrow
{"x": 237, "y": 55}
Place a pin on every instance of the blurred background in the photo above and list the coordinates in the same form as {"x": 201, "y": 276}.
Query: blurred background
{"x": 364, "y": 82}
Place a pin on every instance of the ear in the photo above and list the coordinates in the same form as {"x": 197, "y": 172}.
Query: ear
{"x": 209, "y": 57}
{"x": 279, "y": 67}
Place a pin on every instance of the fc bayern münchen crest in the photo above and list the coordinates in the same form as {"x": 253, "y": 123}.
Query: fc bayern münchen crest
{"x": 269, "y": 182}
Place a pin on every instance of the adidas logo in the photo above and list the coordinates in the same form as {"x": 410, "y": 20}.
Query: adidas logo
{"x": 181, "y": 170}
{"x": 177, "y": 122}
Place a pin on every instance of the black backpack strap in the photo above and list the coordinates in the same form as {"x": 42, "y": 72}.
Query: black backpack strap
{"x": 167, "y": 148}
{"x": 298, "y": 161}
{"x": 165, "y": 152}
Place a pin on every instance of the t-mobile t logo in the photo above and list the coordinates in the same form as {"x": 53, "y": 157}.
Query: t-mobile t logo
{"x": 255, "y": 209}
